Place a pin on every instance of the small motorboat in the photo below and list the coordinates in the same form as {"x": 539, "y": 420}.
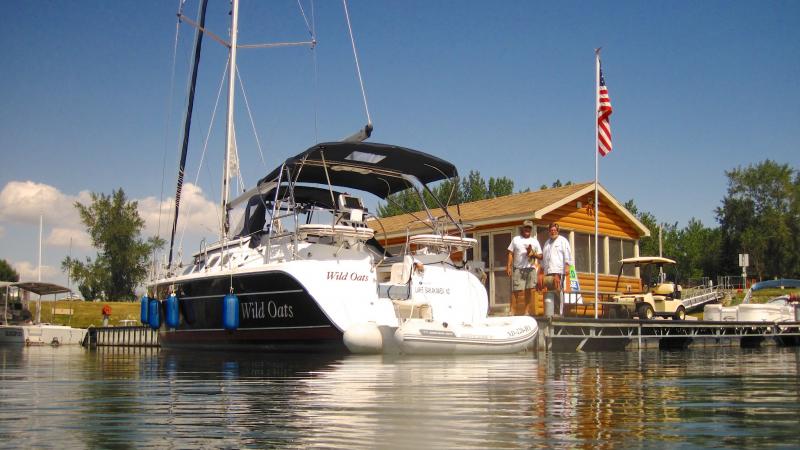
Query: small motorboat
{"x": 779, "y": 309}
{"x": 19, "y": 328}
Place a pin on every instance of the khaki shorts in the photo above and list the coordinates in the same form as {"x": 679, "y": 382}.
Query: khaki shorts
{"x": 522, "y": 279}
{"x": 550, "y": 283}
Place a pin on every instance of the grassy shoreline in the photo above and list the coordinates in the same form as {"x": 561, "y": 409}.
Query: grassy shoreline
{"x": 86, "y": 314}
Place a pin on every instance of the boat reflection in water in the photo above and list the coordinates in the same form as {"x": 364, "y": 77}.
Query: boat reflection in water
{"x": 722, "y": 397}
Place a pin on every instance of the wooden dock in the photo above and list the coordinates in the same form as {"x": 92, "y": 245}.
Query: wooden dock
{"x": 121, "y": 337}
{"x": 589, "y": 334}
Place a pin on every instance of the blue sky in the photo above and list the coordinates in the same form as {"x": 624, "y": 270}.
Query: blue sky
{"x": 506, "y": 88}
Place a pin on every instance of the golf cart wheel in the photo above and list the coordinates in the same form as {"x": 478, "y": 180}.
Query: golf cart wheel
{"x": 680, "y": 313}
{"x": 645, "y": 312}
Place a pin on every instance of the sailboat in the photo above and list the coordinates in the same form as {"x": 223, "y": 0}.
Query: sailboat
{"x": 304, "y": 269}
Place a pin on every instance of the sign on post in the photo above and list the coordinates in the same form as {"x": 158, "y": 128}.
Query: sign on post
{"x": 744, "y": 261}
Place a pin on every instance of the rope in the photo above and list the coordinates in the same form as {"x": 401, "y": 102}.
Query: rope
{"x": 358, "y": 66}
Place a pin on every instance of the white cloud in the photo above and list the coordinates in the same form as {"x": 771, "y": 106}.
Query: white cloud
{"x": 29, "y": 271}
{"x": 24, "y": 201}
{"x": 61, "y": 237}
{"x": 21, "y": 202}
{"x": 198, "y": 215}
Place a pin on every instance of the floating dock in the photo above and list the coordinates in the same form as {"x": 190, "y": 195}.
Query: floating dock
{"x": 589, "y": 334}
{"x": 121, "y": 337}
{"x": 573, "y": 334}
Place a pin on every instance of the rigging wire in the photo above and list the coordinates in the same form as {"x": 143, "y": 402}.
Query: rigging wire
{"x": 358, "y": 66}
{"x": 167, "y": 126}
{"x": 316, "y": 72}
{"x": 252, "y": 121}
{"x": 205, "y": 148}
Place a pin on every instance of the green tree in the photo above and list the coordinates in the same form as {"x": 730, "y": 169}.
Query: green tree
{"x": 7, "y": 273}
{"x": 759, "y": 215}
{"x": 555, "y": 184}
{"x": 698, "y": 250}
{"x": 499, "y": 187}
{"x": 114, "y": 225}
{"x": 471, "y": 188}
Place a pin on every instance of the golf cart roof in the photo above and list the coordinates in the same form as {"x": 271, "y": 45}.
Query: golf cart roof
{"x": 645, "y": 260}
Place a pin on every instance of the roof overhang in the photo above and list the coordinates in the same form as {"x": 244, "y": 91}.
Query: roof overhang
{"x": 611, "y": 201}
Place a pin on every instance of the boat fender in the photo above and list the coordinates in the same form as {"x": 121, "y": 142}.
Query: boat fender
{"x": 230, "y": 312}
{"x": 363, "y": 338}
{"x": 145, "y": 302}
{"x": 154, "y": 314}
{"x": 172, "y": 316}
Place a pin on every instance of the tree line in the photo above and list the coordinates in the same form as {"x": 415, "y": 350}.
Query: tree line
{"x": 759, "y": 215}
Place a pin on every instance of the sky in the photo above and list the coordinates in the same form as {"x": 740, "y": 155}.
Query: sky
{"x": 93, "y": 100}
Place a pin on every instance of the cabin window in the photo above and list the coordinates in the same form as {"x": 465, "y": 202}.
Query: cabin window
{"x": 627, "y": 252}
{"x": 619, "y": 249}
{"x": 584, "y": 254}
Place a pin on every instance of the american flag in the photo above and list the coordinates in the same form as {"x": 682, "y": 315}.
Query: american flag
{"x": 603, "y": 125}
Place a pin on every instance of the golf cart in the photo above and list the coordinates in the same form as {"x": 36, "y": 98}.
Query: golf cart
{"x": 663, "y": 299}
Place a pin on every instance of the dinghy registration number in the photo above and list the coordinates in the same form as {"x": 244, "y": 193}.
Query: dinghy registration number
{"x": 519, "y": 331}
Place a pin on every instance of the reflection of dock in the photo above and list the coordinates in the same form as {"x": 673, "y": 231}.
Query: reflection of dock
{"x": 588, "y": 334}
{"x": 121, "y": 337}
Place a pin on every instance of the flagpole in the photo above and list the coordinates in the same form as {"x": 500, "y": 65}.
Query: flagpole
{"x": 596, "y": 176}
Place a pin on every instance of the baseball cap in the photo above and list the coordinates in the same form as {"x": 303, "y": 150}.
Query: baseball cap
{"x": 527, "y": 223}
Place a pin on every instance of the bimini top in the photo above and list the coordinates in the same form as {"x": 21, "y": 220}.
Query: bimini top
{"x": 379, "y": 169}
{"x": 38, "y": 287}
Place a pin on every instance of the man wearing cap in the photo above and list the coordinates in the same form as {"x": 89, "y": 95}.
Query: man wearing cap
{"x": 523, "y": 252}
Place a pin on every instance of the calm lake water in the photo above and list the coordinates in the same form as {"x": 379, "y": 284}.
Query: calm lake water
{"x": 726, "y": 397}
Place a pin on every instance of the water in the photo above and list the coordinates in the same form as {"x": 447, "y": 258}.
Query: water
{"x": 723, "y": 397}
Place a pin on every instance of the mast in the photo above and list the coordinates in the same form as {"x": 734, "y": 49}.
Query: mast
{"x": 39, "y": 300}
{"x": 41, "y": 219}
{"x": 187, "y": 123}
{"x": 229, "y": 132}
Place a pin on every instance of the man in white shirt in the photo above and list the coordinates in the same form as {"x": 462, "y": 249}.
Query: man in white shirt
{"x": 523, "y": 252}
{"x": 556, "y": 261}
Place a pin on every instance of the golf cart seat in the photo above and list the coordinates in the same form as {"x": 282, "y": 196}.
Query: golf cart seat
{"x": 667, "y": 289}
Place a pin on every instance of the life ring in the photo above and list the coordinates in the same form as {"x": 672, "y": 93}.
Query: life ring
{"x": 55, "y": 342}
